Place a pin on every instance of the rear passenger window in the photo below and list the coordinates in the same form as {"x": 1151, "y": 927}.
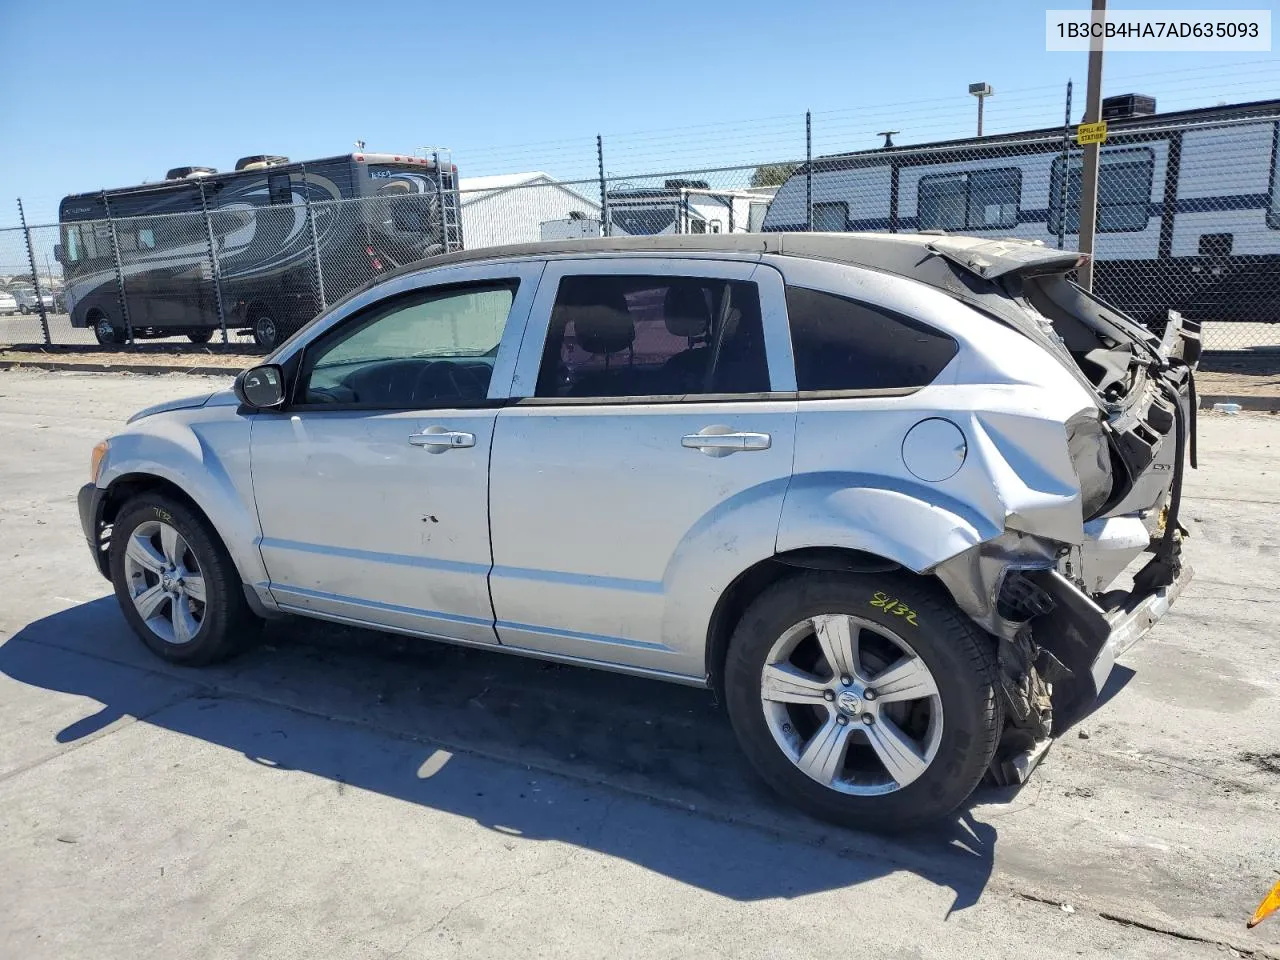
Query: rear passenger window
{"x": 841, "y": 344}
{"x": 640, "y": 336}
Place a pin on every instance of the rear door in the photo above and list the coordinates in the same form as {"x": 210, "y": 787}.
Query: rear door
{"x": 645, "y": 465}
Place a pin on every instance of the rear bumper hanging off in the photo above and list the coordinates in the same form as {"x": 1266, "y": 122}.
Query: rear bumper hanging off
{"x": 1087, "y": 639}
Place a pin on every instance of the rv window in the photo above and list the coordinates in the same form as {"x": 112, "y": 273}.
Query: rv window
{"x": 831, "y": 217}
{"x": 278, "y": 189}
{"x": 70, "y": 244}
{"x": 98, "y": 240}
{"x": 942, "y": 202}
{"x": 147, "y": 238}
{"x": 973, "y": 200}
{"x": 993, "y": 198}
{"x": 756, "y": 215}
{"x": 413, "y": 214}
{"x": 1124, "y": 191}
{"x": 697, "y": 226}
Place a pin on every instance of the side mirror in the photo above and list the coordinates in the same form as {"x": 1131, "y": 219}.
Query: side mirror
{"x": 57, "y": 252}
{"x": 262, "y": 387}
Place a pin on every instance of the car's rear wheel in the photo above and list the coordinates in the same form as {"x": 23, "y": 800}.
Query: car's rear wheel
{"x": 176, "y": 584}
{"x": 866, "y": 700}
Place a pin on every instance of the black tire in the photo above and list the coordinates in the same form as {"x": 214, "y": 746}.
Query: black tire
{"x": 959, "y": 656}
{"x": 23, "y": 310}
{"x": 105, "y": 332}
{"x": 200, "y": 336}
{"x": 227, "y": 624}
{"x": 266, "y": 332}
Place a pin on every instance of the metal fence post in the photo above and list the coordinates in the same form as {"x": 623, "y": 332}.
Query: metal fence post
{"x": 1066, "y": 173}
{"x": 444, "y": 230}
{"x": 808, "y": 171}
{"x": 214, "y": 266}
{"x": 35, "y": 282}
{"x": 315, "y": 242}
{"x": 606, "y": 227}
{"x": 1089, "y": 165}
{"x": 115, "y": 252}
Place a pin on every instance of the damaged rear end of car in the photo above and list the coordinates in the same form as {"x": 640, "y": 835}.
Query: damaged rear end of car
{"x": 1063, "y": 610}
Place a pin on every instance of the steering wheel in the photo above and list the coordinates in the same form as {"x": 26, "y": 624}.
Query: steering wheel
{"x": 446, "y": 380}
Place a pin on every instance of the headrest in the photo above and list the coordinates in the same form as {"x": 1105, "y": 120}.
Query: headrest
{"x": 598, "y": 311}
{"x": 685, "y": 310}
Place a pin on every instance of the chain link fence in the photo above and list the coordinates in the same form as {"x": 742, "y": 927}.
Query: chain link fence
{"x": 1188, "y": 219}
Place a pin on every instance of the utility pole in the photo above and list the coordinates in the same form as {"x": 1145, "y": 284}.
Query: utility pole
{"x": 1089, "y": 172}
{"x": 1066, "y": 166}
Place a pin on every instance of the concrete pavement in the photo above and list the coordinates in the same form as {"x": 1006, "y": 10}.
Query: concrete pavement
{"x": 340, "y": 793}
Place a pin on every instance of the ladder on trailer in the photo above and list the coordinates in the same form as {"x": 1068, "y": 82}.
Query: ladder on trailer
{"x": 447, "y": 201}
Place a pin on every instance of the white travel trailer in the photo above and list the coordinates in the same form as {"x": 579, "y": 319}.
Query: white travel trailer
{"x": 1188, "y": 205}
{"x": 687, "y": 206}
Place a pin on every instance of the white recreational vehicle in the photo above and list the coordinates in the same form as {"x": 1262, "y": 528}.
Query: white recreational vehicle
{"x": 1188, "y": 205}
{"x": 687, "y": 206}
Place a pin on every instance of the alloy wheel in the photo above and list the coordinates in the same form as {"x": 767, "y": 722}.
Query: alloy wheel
{"x": 165, "y": 582}
{"x": 851, "y": 704}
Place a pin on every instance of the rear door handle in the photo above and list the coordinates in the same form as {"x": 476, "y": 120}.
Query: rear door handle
{"x": 438, "y": 439}
{"x": 723, "y": 444}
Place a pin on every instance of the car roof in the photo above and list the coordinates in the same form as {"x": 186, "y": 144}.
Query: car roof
{"x": 905, "y": 254}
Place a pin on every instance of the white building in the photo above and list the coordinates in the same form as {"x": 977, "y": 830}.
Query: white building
{"x": 514, "y": 207}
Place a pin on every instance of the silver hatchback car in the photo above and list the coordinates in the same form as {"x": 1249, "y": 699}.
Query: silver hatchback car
{"x": 875, "y": 490}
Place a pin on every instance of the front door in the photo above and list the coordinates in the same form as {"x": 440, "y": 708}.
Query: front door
{"x": 372, "y": 486}
{"x": 647, "y": 464}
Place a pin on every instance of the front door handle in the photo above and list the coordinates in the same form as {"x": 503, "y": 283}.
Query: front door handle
{"x": 715, "y": 443}
{"x": 438, "y": 439}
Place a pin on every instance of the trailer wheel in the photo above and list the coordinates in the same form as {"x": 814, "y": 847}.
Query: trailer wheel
{"x": 23, "y": 309}
{"x": 199, "y": 336}
{"x": 265, "y": 332}
{"x": 106, "y": 333}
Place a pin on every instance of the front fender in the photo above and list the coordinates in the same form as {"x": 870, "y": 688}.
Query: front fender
{"x": 205, "y": 453}
{"x": 915, "y": 525}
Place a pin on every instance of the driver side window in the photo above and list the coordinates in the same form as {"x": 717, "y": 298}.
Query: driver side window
{"x": 430, "y": 348}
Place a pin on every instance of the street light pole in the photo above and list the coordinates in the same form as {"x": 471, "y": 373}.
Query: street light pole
{"x": 981, "y": 91}
{"x": 1089, "y": 170}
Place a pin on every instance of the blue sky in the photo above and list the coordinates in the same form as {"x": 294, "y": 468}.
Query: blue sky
{"x": 113, "y": 93}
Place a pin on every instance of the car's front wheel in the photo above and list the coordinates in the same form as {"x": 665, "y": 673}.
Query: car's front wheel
{"x": 866, "y": 700}
{"x": 177, "y": 586}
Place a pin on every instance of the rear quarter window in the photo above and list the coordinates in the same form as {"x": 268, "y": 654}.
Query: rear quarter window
{"x": 843, "y": 344}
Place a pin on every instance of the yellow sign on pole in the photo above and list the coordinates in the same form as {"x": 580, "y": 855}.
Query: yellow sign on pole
{"x": 1091, "y": 133}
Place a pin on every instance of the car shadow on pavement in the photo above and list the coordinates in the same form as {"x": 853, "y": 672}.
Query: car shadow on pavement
{"x": 527, "y": 748}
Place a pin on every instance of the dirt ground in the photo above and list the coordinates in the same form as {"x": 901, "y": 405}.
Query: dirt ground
{"x": 340, "y": 793}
